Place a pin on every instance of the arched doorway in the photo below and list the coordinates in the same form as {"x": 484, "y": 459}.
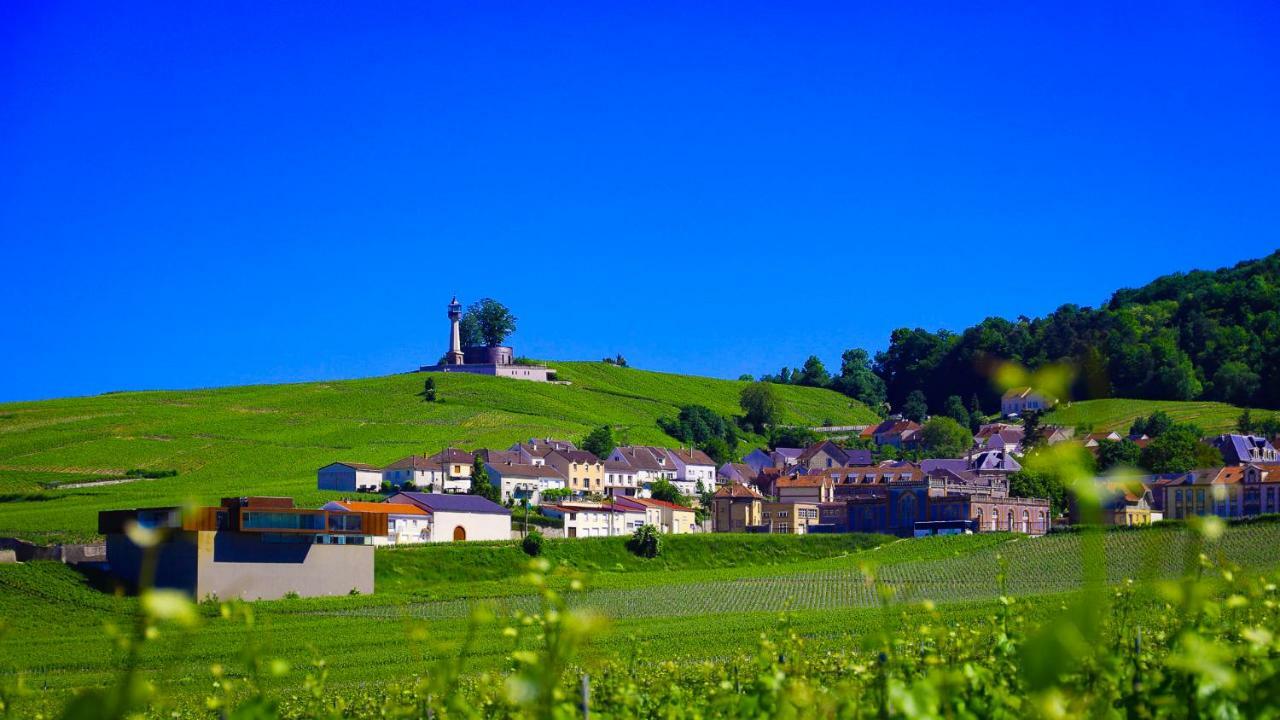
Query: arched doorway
{"x": 1026, "y": 521}
{"x": 1010, "y": 525}
{"x": 907, "y": 511}
{"x": 459, "y": 533}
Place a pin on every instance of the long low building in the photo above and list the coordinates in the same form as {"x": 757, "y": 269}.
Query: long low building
{"x": 252, "y": 548}
{"x": 457, "y": 517}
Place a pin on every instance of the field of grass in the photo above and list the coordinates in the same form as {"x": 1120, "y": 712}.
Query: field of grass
{"x": 269, "y": 439}
{"x": 1119, "y": 414}
{"x": 686, "y": 606}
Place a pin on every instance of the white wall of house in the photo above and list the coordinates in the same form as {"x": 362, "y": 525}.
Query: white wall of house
{"x": 421, "y": 478}
{"x": 514, "y": 486}
{"x": 476, "y": 526}
{"x": 347, "y": 479}
{"x": 596, "y": 522}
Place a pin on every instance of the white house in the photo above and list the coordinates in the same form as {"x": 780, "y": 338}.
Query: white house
{"x": 405, "y": 523}
{"x": 349, "y": 477}
{"x": 620, "y": 480}
{"x": 650, "y": 464}
{"x": 457, "y": 517}
{"x": 693, "y": 468}
{"x": 415, "y": 469}
{"x": 1016, "y": 401}
{"x": 520, "y": 482}
{"x": 595, "y": 519}
{"x": 667, "y": 517}
{"x": 456, "y": 465}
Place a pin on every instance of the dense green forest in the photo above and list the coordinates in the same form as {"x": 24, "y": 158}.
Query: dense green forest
{"x": 1212, "y": 335}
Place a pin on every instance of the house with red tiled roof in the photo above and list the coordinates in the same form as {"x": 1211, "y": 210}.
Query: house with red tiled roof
{"x": 1206, "y": 491}
{"x": 816, "y": 488}
{"x": 736, "y": 508}
{"x": 667, "y": 517}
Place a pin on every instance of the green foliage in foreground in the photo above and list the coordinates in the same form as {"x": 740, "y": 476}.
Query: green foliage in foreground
{"x": 270, "y": 439}
{"x": 1199, "y": 642}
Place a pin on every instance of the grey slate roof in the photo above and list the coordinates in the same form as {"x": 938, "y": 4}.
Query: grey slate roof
{"x": 442, "y": 502}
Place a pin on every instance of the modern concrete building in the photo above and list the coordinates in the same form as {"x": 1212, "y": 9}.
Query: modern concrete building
{"x": 406, "y": 524}
{"x": 349, "y": 477}
{"x": 253, "y": 548}
{"x": 496, "y": 360}
{"x": 456, "y": 517}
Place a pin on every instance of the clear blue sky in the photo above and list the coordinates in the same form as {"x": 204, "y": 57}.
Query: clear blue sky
{"x": 198, "y": 196}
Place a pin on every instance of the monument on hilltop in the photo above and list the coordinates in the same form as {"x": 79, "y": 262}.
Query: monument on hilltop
{"x": 486, "y": 359}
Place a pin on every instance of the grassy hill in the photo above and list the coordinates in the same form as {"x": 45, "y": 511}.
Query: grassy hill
{"x": 1119, "y": 414}
{"x": 269, "y": 439}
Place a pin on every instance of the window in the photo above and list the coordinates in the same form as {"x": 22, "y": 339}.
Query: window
{"x": 258, "y": 520}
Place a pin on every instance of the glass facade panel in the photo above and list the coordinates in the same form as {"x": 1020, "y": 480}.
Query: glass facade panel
{"x": 258, "y": 520}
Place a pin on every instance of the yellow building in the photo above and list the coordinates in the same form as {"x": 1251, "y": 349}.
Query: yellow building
{"x": 737, "y": 507}
{"x": 789, "y": 518}
{"x": 583, "y": 472}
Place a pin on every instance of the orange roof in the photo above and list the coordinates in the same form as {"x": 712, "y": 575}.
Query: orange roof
{"x": 738, "y": 490}
{"x": 387, "y": 508}
{"x": 800, "y": 481}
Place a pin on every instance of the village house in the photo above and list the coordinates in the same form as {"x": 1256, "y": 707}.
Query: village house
{"x": 866, "y": 480}
{"x": 787, "y": 518}
{"x": 1231, "y": 491}
{"x": 741, "y": 473}
{"x": 621, "y": 480}
{"x": 1092, "y": 440}
{"x": 251, "y": 548}
{"x": 1017, "y": 401}
{"x": 458, "y": 517}
{"x": 349, "y": 477}
{"x": 1240, "y": 449}
{"x": 921, "y": 508}
{"x": 999, "y": 436}
{"x": 519, "y": 482}
{"x": 456, "y": 465}
{"x": 667, "y": 517}
{"x": 818, "y": 488}
{"x": 406, "y": 524}
{"x": 694, "y": 470}
{"x": 1054, "y": 434}
{"x": 583, "y": 470}
{"x": 596, "y": 519}
{"x": 415, "y": 470}
{"x": 1122, "y": 504}
{"x": 650, "y": 464}
{"x": 898, "y": 433}
{"x": 735, "y": 508}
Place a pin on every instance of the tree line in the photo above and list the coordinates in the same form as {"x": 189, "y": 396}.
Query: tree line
{"x": 1212, "y": 335}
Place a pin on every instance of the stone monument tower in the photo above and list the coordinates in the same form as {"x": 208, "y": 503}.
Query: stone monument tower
{"x": 454, "y": 356}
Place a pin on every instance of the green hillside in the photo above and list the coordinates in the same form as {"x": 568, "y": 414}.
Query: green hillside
{"x": 269, "y": 439}
{"x": 1119, "y": 414}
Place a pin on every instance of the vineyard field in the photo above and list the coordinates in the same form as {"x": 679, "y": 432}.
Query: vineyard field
{"x": 55, "y": 619}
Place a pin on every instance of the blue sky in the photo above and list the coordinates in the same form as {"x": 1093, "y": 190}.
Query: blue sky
{"x": 208, "y": 196}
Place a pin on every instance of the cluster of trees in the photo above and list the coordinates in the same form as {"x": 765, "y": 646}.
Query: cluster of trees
{"x": 1211, "y": 335}
{"x": 486, "y": 322}
{"x": 705, "y": 429}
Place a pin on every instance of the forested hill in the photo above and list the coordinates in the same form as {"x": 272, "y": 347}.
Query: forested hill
{"x": 1212, "y": 335}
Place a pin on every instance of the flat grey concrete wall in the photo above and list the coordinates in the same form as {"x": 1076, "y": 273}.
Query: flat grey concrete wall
{"x": 241, "y": 565}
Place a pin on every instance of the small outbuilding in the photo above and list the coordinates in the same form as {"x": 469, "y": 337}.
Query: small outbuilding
{"x": 349, "y": 477}
{"x": 459, "y": 517}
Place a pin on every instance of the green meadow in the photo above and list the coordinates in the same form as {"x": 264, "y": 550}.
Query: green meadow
{"x": 269, "y": 439}
{"x": 1118, "y": 414}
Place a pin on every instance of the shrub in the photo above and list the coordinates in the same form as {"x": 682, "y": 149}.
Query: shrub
{"x": 645, "y": 542}
{"x": 292, "y": 595}
{"x": 532, "y": 543}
